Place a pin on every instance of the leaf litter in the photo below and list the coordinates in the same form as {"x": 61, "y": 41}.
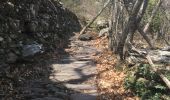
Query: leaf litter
{"x": 110, "y": 81}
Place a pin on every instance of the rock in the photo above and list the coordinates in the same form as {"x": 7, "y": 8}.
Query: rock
{"x": 1, "y": 39}
{"x": 80, "y": 87}
{"x": 104, "y": 32}
{"x": 11, "y": 57}
{"x": 48, "y": 98}
{"x": 130, "y": 61}
{"x": 32, "y": 49}
{"x": 100, "y": 24}
{"x": 85, "y": 37}
{"x": 30, "y": 26}
{"x": 166, "y": 48}
{"x": 83, "y": 97}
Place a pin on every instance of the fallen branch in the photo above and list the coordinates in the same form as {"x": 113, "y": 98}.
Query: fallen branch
{"x": 84, "y": 28}
{"x": 145, "y": 37}
{"x": 166, "y": 41}
{"x": 167, "y": 82}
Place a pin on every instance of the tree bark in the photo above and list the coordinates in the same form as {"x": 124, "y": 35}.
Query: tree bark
{"x": 130, "y": 28}
{"x": 110, "y": 46}
{"x": 152, "y": 16}
{"x": 139, "y": 17}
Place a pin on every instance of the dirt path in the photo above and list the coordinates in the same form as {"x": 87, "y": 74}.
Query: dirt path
{"x": 77, "y": 70}
{"x": 72, "y": 77}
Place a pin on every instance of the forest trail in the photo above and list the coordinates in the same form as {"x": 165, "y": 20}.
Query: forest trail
{"x": 68, "y": 73}
{"x": 77, "y": 70}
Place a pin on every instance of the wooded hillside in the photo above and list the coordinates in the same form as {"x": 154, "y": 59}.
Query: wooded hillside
{"x": 84, "y": 50}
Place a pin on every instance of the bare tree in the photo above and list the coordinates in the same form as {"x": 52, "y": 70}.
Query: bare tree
{"x": 130, "y": 27}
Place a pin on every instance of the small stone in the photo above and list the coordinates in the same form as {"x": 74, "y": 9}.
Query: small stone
{"x": 104, "y": 32}
{"x": 48, "y": 98}
{"x": 100, "y": 24}
{"x": 83, "y": 97}
{"x": 1, "y": 39}
{"x": 12, "y": 57}
{"x": 32, "y": 49}
{"x": 85, "y": 37}
{"x": 11, "y": 4}
{"x": 1, "y": 50}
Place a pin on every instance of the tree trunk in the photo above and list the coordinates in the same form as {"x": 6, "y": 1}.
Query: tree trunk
{"x": 130, "y": 28}
{"x": 91, "y": 22}
{"x": 146, "y": 28}
{"x": 110, "y": 46}
{"x": 152, "y": 16}
{"x": 140, "y": 16}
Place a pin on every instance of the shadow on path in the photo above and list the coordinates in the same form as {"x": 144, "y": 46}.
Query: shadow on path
{"x": 58, "y": 75}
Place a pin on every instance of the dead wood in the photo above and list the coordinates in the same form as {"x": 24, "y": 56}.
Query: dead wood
{"x": 167, "y": 82}
{"x": 149, "y": 59}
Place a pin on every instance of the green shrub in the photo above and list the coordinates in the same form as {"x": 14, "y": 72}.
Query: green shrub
{"x": 146, "y": 83}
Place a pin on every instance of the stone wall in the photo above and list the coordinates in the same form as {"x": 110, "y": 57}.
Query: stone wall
{"x": 31, "y": 26}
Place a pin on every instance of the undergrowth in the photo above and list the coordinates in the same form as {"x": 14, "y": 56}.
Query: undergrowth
{"x": 146, "y": 84}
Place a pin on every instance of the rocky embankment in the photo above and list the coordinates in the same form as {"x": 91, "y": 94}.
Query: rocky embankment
{"x": 28, "y": 27}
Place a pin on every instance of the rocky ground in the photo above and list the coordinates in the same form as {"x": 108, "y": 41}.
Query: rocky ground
{"x": 77, "y": 70}
{"x": 34, "y": 26}
{"x": 32, "y": 35}
{"x": 65, "y": 74}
